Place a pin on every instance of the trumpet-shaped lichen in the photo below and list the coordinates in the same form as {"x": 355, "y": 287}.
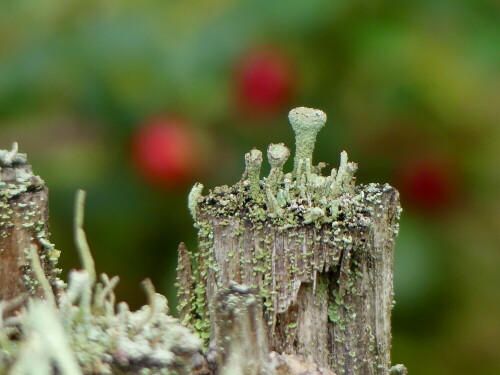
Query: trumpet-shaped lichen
{"x": 306, "y": 123}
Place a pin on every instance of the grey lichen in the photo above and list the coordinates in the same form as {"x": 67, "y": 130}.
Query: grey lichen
{"x": 80, "y": 237}
{"x": 194, "y": 196}
{"x": 84, "y": 332}
{"x": 398, "y": 370}
{"x": 45, "y": 344}
{"x": 9, "y": 158}
{"x": 277, "y": 154}
{"x": 16, "y": 173}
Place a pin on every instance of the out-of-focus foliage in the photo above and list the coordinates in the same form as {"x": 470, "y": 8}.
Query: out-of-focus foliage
{"x": 409, "y": 88}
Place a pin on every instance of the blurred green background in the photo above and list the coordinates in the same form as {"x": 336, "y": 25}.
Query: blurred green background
{"x": 96, "y": 91}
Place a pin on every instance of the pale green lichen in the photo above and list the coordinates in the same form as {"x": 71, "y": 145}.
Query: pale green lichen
{"x": 39, "y": 273}
{"x": 398, "y": 370}
{"x": 9, "y": 158}
{"x": 45, "y": 345}
{"x": 306, "y": 123}
{"x": 87, "y": 334}
{"x": 80, "y": 237}
{"x": 253, "y": 162}
{"x": 286, "y": 198}
{"x": 277, "y": 154}
{"x": 194, "y": 196}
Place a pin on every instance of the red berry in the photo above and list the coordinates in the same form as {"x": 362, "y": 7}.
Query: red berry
{"x": 427, "y": 184}
{"x": 163, "y": 150}
{"x": 264, "y": 81}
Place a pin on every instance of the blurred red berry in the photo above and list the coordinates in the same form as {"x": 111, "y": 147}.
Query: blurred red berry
{"x": 264, "y": 81}
{"x": 427, "y": 184}
{"x": 163, "y": 151}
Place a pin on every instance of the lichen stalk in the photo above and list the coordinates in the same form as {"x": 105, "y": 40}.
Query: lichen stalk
{"x": 277, "y": 154}
{"x": 253, "y": 162}
{"x": 306, "y": 123}
{"x": 81, "y": 242}
{"x": 36, "y": 266}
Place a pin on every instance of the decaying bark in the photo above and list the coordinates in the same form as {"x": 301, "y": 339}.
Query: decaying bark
{"x": 23, "y": 227}
{"x": 318, "y": 249}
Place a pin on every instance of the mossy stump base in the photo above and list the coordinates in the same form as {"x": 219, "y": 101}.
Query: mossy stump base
{"x": 318, "y": 249}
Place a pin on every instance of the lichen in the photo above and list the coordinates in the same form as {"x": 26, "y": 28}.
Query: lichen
{"x": 193, "y": 198}
{"x": 306, "y": 123}
{"x": 83, "y": 331}
{"x": 10, "y": 158}
{"x": 398, "y": 370}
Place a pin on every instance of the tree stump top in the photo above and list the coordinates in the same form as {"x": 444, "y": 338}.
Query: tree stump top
{"x": 318, "y": 249}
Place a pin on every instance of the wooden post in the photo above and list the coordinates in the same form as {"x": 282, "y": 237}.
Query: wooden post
{"x": 318, "y": 249}
{"x": 23, "y": 227}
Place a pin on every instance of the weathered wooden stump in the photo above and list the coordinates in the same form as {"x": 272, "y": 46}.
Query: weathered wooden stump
{"x": 318, "y": 249}
{"x": 23, "y": 228}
